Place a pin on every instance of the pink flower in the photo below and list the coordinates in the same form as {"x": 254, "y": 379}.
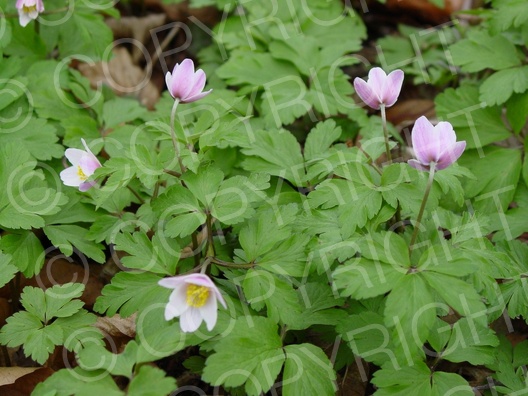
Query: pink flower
{"x": 379, "y": 88}
{"x": 28, "y": 10}
{"x": 185, "y": 84}
{"x": 193, "y": 300}
{"x": 84, "y": 165}
{"x": 434, "y": 144}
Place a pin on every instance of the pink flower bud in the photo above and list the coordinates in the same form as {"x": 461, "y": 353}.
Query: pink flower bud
{"x": 185, "y": 84}
{"x": 193, "y": 299}
{"x": 84, "y": 165}
{"x": 379, "y": 88}
{"x": 28, "y": 10}
{"x": 434, "y": 144}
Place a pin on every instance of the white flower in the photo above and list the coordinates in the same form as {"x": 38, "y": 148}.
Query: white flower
{"x": 28, "y": 10}
{"x": 193, "y": 300}
{"x": 84, "y": 165}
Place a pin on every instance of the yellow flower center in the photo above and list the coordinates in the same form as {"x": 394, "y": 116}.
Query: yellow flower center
{"x": 197, "y": 295}
{"x": 81, "y": 174}
{"x": 29, "y": 9}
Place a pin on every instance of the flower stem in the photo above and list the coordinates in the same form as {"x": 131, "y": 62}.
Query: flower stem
{"x": 173, "y": 135}
{"x": 422, "y": 207}
{"x": 385, "y": 132}
{"x": 209, "y": 251}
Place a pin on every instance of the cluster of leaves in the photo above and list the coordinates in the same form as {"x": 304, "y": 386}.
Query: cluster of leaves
{"x": 303, "y": 231}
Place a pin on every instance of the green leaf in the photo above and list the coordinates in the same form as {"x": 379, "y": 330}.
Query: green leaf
{"x": 159, "y": 255}
{"x": 96, "y": 357}
{"x": 362, "y": 278}
{"x": 419, "y": 381}
{"x": 474, "y": 123}
{"x": 26, "y": 252}
{"x": 508, "y": 13}
{"x": 307, "y": 371}
{"x": 251, "y": 354}
{"x": 78, "y": 382}
{"x": 8, "y": 269}
{"x": 470, "y": 342}
{"x": 59, "y": 301}
{"x": 481, "y": 51}
{"x": 368, "y": 337}
{"x": 151, "y": 381}
{"x": 494, "y": 186}
{"x": 414, "y": 318}
{"x": 257, "y": 69}
{"x": 500, "y": 86}
{"x": 130, "y": 292}
{"x": 461, "y": 296}
{"x": 84, "y": 33}
{"x": 263, "y": 288}
{"x": 66, "y": 237}
{"x": 276, "y": 152}
{"x": 517, "y": 111}
{"x": 120, "y": 110}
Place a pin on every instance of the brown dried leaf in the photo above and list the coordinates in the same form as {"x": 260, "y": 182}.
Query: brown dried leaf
{"x": 20, "y": 381}
{"x": 116, "y": 326}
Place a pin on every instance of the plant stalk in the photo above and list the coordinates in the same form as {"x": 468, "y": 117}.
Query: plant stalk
{"x": 422, "y": 207}
{"x": 173, "y": 135}
{"x": 385, "y": 132}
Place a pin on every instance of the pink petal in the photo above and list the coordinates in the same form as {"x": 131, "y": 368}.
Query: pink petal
{"x": 376, "y": 80}
{"x": 172, "y": 282}
{"x": 194, "y": 98}
{"x": 190, "y": 320}
{"x": 40, "y": 5}
{"x": 451, "y": 155}
{"x": 85, "y": 186}
{"x": 366, "y": 93}
{"x": 89, "y": 152}
{"x": 182, "y": 79}
{"x": 199, "y": 83}
{"x": 446, "y": 134}
{"x": 70, "y": 177}
{"x": 89, "y": 165}
{"x": 74, "y": 155}
{"x": 209, "y": 312}
{"x": 199, "y": 279}
{"x": 421, "y": 136}
{"x": 23, "y": 18}
{"x": 392, "y": 88}
{"x": 19, "y": 4}
{"x": 417, "y": 165}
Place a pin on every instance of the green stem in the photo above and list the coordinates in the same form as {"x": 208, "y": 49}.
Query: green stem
{"x": 195, "y": 248}
{"x": 422, "y": 207}
{"x": 385, "y": 132}
{"x": 172, "y": 173}
{"x": 173, "y": 135}
{"x": 210, "y": 252}
{"x": 136, "y": 194}
{"x": 231, "y": 265}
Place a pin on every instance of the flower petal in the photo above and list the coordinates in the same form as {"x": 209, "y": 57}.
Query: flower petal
{"x": 447, "y": 136}
{"x": 421, "y": 135}
{"x": 177, "y": 304}
{"x": 40, "y": 5}
{"x": 451, "y": 155}
{"x": 376, "y": 80}
{"x": 70, "y": 177}
{"x": 89, "y": 165}
{"x": 417, "y": 165}
{"x": 171, "y": 283}
{"x": 209, "y": 312}
{"x": 199, "y": 83}
{"x": 392, "y": 87}
{"x": 199, "y": 96}
{"x": 366, "y": 93}
{"x": 182, "y": 79}
{"x": 199, "y": 279}
{"x": 85, "y": 186}
{"x": 190, "y": 320}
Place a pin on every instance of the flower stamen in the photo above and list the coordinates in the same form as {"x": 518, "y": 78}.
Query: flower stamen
{"x": 81, "y": 174}
{"x": 197, "y": 295}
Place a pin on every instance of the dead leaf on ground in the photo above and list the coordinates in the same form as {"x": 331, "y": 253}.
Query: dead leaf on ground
{"x": 20, "y": 381}
{"x": 117, "y": 326}
{"x": 58, "y": 271}
{"x": 123, "y": 77}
